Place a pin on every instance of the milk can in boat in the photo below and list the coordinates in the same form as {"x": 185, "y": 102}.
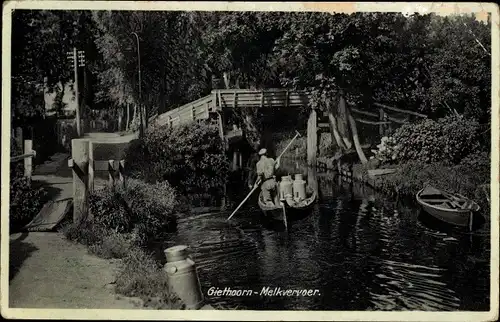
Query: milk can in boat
{"x": 182, "y": 277}
{"x": 286, "y": 190}
{"x": 299, "y": 188}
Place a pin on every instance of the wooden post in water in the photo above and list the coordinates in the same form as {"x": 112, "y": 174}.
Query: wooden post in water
{"x": 312, "y": 138}
{"x": 80, "y": 163}
{"x": 235, "y": 160}
{"x": 28, "y": 162}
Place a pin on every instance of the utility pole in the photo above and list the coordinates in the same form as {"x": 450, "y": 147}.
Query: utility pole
{"x": 141, "y": 111}
{"x": 72, "y": 56}
{"x": 83, "y": 101}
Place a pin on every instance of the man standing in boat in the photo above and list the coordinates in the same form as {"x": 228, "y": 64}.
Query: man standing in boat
{"x": 265, "y": 172}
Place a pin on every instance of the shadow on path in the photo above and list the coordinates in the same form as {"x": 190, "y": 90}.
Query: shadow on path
{"x": 19, "y": 252}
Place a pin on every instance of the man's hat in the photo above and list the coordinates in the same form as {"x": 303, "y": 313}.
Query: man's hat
{"x": 262, "y": 151}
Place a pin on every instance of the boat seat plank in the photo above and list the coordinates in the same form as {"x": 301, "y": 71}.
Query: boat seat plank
{"x": 434, "y": 200}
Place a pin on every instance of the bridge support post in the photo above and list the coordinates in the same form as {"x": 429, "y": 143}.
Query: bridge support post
{"x": 312, "y": 138}
{"x": 235, "y": 160}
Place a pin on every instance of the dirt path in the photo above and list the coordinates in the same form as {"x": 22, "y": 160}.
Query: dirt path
{"x": 48, "y": 271}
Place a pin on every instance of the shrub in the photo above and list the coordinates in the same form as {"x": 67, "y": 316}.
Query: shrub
{"x": 25, "y": 200}
{"x": 191, "y": 157}
{"x": 110, "y": 211}
{"x": 478, "y": 164}
{"x": 387, "y": 151}
{"x": 447, "y": 140}
{"x": 151, "y": 207}
{"x": 101, "y": 241}
{"x": 141, "y": 209}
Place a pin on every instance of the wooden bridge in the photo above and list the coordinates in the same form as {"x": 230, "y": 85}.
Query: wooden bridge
{"x": 222, "y": 99}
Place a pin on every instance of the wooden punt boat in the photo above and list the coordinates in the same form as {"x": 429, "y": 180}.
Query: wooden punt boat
{"x": 294, "y": 209}
{"x": 453, "y": 209}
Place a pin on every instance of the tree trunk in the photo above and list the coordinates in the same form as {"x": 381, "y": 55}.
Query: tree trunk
{"x": 343, "y": 123}
{"x": 355, "y": 137}
{"x": 135, "y": 112}
{"x": 120, "y": 118}
{"x": 227, "y": 80}
{"x": 333, "y": 128}
{"x": 128, "y": 118}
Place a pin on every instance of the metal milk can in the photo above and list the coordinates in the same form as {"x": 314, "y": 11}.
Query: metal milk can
{"x": 299, "y": 188}
{"x": 286, "y": 190}
{"x": 182, "y": 277}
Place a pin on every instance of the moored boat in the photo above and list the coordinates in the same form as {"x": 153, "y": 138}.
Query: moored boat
{"x": 453, "y": 209}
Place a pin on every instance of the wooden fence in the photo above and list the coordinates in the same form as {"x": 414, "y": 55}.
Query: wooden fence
{"x": 385, "y": 117}
{"x": 27, "y": 157}
{"x": 84, "y": 169}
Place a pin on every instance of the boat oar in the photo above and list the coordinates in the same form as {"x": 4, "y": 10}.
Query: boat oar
{"x": 255, "y": 187}
{"x": 248, "y": 196}
{"x": 286, "y": 148}
{"x": 455, "y": 200}
{"x": 284, "y": 215}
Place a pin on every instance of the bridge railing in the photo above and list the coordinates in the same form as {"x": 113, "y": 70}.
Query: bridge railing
{"x": 275, "y": 97}
{"x": 231, "y": 98}
{"x": 384, "y": 116}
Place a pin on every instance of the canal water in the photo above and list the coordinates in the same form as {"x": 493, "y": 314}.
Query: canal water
{"x": 358, "y": 249}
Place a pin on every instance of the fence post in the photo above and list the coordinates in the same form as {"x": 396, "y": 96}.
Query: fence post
{"x": 111, "y": 170}
{"x": 28, "y": 162}
{"x": 80, "y": 158}
{"x": 121, "y": 170}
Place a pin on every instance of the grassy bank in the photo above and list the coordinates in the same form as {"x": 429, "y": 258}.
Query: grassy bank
{"x": 123, "y": 222}
{"x": 410, "y": 177}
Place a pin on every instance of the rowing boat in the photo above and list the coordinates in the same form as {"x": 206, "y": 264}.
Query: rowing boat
{"x": 453, "y": 209}
{"x": 295, "y": 209}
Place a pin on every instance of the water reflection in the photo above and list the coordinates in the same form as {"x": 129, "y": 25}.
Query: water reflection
{"x": 361, "y": 250}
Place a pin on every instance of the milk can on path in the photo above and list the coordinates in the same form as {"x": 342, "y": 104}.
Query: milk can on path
{"x": 182, "y": 277}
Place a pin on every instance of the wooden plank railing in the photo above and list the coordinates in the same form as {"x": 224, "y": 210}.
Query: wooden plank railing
{"x": 84, "y": 167}
{"x": 27, "y": 157}
{"x": 276, "y": 97}
{"x": 231, "y": 98}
